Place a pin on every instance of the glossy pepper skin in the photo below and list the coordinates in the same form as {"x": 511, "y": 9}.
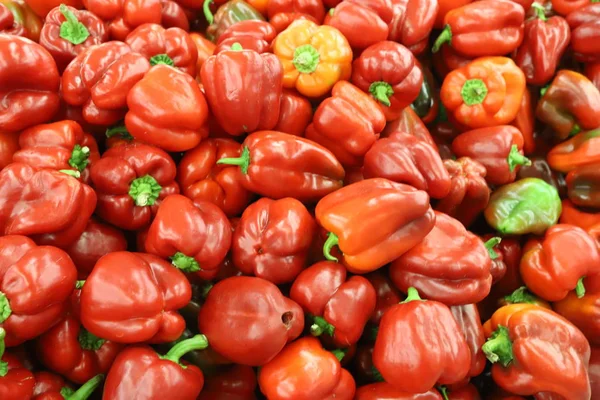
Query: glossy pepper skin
{"x": 469, "y": 193}
{"x": 371, "y": 233}
{"x": 35, "y": 283}
{"x": 52, "y": 387}
{"x": 229, "y": 14}
{"x": 272, "y": 239}
{"x": 278, "y": 165}
{"x": 573, "y": 215}
{"x": 9, "y": 145}
{"x": 51, "y": 207}
{"x": 412, "y": 22}
{"x": 469, "y": 322}
{"x": 570, "y": 104}
{"x": 580, "y": 150}
{"x": 566, "y": 7}
{"x": 524, "y": 356}
{"x": 525, "y": 122}
{"x": 205, "y": 48}
{"x": 409, "y": 122}
{"x": 155, "y": 286}
{"x": 439, "y": 357}
{"x": 250, "y": 34}
{"x": 131, "y": 181}
{"x": 17, "y": 18}
{"x": 585, "y": 30}
{"x": 387, "y": 294}
{"x": 389, "y": 72}
{"x": 486, "y": 92}
{"x": 194, "y": 235}
{"x": 314, "y": 57}
{"x": 404, "y": 158}
{"x": 348, "y": 123}
{"x": 339, "y": 306}
{"x": 167, "y": 109}
{"x": 248, "y": 320}
{"x": 254, "y": 104}
{"x": 236, "y": 383}
{"x": 450, "y": 265}
{"x": 295, "y": 113}
{"x": 499, "y": 149}
{"x": 155, "y": 42}
{"x": 16, "y": 382}
{"x": 528, "y": 205}
{"x": 385, "y": 391}
{"x": 303, "y": 370}
{"x": 282, "y": 13}
{"x": 140, "y": 373}
{"x": 582, "y": 311}
{"x": 29, "y": 82}
{"x": 582, "y": 186}
{"x": 594, "y": 371}
{"x": 500, "y": 33}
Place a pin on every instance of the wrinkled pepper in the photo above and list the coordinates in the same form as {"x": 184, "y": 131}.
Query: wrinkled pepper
{"x": 580, "y": 150}
{"x": 250, "y": 34}
{"x": 230, "y": 13}
{"x": 295, "y": 113}
{"x": 585, "y": 32}
{"x": 282, "y": 13}
{"x": 17, "y": 18}
{"x": 412, "y": 22}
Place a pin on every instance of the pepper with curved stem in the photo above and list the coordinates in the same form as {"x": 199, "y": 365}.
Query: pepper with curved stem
{"x": 72, "y": 30}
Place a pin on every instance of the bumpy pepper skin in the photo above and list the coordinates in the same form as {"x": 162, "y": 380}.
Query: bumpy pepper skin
{"x": 469, "y": 322}
{"x": 16, "y": 382}
{"x": 348, "y": 123}
{"x": 340, "y": 307}
{"x": 250, "y": 34}
{"x": 229, "y": 14}
{"x": 314, "y": 57}
{"x": 374, "y": 222}
{"x": 304, "y": 370}
{"x": 167, "y": 109}
{"x": 51, "y": 207}
{"x": 582, "y": 186}
{"x": 131, "y": 181}
{"x": 9, "y": 145}
{"x": 195, "y": 235}
{"x": 531, "y": 360}
{"x": 580, "y": 150}
{"x": 155, "y": 286}
{"x": 404, "y": 158}
{"x": 385, "y": 391}
{"x": 434, "y": 348}
{"x": 499, "y": 33}
{"x": 17, "y": 18}
{"x": 35, "y": 283}
{"x": 412, "y": 22}
{"x": 585, "y": 32}
{"x": 29, "y": 83}
{"x": 389, "y": 72}
{"x": 486, "y": 92}
{"x": 469, "y": 193}
{"x": 154, "y": 42}
{"x": 295, "y": 113}
{"x": 282, "y": 13}
{"x": 450, "y": 265}
{"x": 102, "y": 92}
{"x": 243, "y": 89}
{"x": 529, "y": 205}
{"x": 248, "y": 320}
{"x": 273, "y": 239}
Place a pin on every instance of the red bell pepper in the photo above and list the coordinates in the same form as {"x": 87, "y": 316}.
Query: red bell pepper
{"x": 338, "y": 306}
{"x": 594, "y": 371}
{"x": 574, "y": 216}
{"x": 16, "y": 382}
{"x": 498, "y": 269}
{"x": 282, "y": 13}
{"x": 171, "y": 46}
{"x": 139, "y": 372}
{"x": 374, "y": 222}
{"x": 445, "y": 7}
{"x": 52, "y": 387}
{"x": 278, "y": 165}
{"x": 194, "y": 235}
{"x": 273, "y": 239}
{"x": 582, "y": 149}
{"x": 295, "y": 113}
{"x": 525, "y": 122}
{"x": 409, "y": 122}
{"x": 35, "y": 283}
{"x": 29, "y": 83}
{"x": 582, "y": 186}
{"x": 248, "y": 320}
{"x": 131, "y": 181}
{"x": 43, "y": 7}
{"x": 17, "y": 18}
{"x": 256, "y": 81}
{"x": 592, "y": 71}
{"x": 236, "y": 383}
{"x": 205, "y": 48}
{"x": 403, "y": 158}
{"x": 50, "y": 206}
{"x": 439, "y": 357}
{"x": 583, "y": 311}
{"x": 450, "y": 265}
{"x": 228, "y": 14}
{"x": 347, "y": 123}
{"x": 362, "y": 22}
{"x": 566, "y": 7}
{"x": 9, "y": 145}
{"x": 447, "y": 60}
{"x": 305, "y": 371}
{"x": 585, "y": 32}
{"x": 466, "y": 392}
{"x": 167, "y": 109}
{"x": 389, "y": 72}
{"x": 156, "y": 288}
{"x": 385, "y": 391}
{"x": 412, "y": 23}
{"x": 250, "y": 34}
{"x": 387, "y": 294}
{"x": 201, "y": 178}
{"x": 469, "y": 323}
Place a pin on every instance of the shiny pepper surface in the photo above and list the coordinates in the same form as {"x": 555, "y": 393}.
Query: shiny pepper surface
{"x": 585, "y": 28}
{"x": 412, "y": 22}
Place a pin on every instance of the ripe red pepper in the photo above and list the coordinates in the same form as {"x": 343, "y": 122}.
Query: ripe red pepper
{"x": 235, "y": 383}
{"x": 303, "y": 370}
{"x": 16, "y": 382}
{"x": 412, "y": 23}
{"x": 469, "y": 323}
{"x": 295, "y": 113}
{"x": 585, "y": 32}
{"x": 466, "y": 392}
{"x": 387, "y": 294}
{"x": 594, "y": 371}
{"x": 248, "y": 320}
{"x": 205, "y": 48}
{"x": 171, "y": 46}
{"x": 525, "y": 122}
{"x": 446, "y": 60}
{"x": 50, "y": 206}
{"x": 282, "y": 13}
{"x": 338, "y": 306}
{"x": 156, "y": 288}
{"x": 450, "y": 265}
{"x": 139, "y": 372}
{"x": 469, "y": 193}
{"x": 385, "y": 391}
{"x": 374, "y": 222}
{"x": 52, "y": 387}
{"x": 583, "y": 311}
{"x": 230, "y": 13}
{"x": 409, "y": 122}
{"x": 250, "y": 34}
{"x": 389, "y": 72}
{"x": 582, "y": 186}
{"x": 17, "y": 18}
{"x": 440, "y": 357}
{"x": 574, "y": 216}
{"x": 592, "y": 71}
{"x": 347, "y": 123}
{"x": 566, "y": 7}
{"x": 243, "y": 89}
{"x": 29, "y": 83}
{"x": 9, "y": 145}
{"x": 404, "y": 158}
{"x": 278, "y": 165}
{"x": 35, "y": 283}
{"x": 131, "y": 181}
{"x": 194, "y": 235}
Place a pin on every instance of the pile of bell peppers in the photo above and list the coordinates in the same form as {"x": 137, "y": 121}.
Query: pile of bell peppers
{"x": 299, "y": 199}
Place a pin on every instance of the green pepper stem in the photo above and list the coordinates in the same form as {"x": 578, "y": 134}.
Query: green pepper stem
{"x": 5, "y": 309}
{"x": 198, "y": 342}
{"x": 119, "y": 130}
{"x": 236, "y": 47}
{"x": 376, "y": 374}
{"x": 339, "y": 354}
{"x": 79, "y": 284}
{"x": 412, "y": 294}
{"x": 580, "y": 289}
{"x": 86, "y": 390}
{"x": 516, "y": 158}
{"x": 540, "y": 12}
{"x": 3, "y": 364}
{"x": 490, "y": 244}
{"x": 89, "y": 341}
{"x": 80, "y": 157}
{"x": 185, "y": 263}
{"x": 576, "y": 129}
{"x": 445, "y": 37}
{"x": 207, "y": 13}
{"x": 243, "y": 161}
{"x": 144, "y": 191}
{"x": 381, "y": 91}
{"x": 320, "y": 326}
{"x": 205, "y": 289}
{"x": 443, "y": 391}
{"x": 473, "y": 92}
{"x": 332, "y": 240}
{"x": 72, "y": 30}
{"x": 544, "y": 90}
{"x": 70, "y": 172}
{"x": 306, "y": 59}
{"x": 498, "y": 347}
{"x": 162, "y": 59}
{"x": 521, "y": 295}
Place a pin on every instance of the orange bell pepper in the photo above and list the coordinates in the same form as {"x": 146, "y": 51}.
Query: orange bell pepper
{"x": 582, "y": 149}
{"x": 574, "y": 216}
{"x": 205, "y": 47}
